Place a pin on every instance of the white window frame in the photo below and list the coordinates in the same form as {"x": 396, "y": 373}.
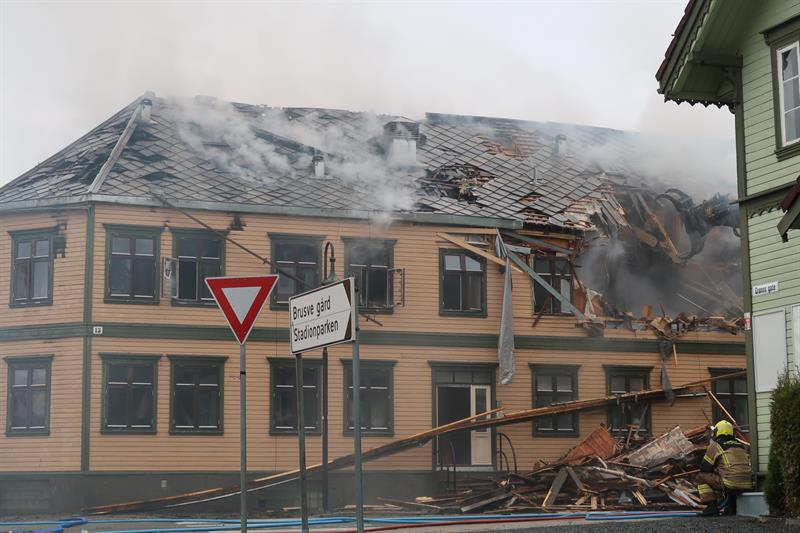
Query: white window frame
{"x": 796, "y": 336}
{"x": 781, "y": 81}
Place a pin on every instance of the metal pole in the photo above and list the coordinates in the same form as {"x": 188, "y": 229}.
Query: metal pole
{"x": 243, "y": 438}
{"x": 301, "y": 434}
{"x": 357, "y": 420}
{"x": 325, "y": 429}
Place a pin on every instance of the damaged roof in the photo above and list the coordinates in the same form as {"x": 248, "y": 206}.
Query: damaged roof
{"x": 542, "y": 174}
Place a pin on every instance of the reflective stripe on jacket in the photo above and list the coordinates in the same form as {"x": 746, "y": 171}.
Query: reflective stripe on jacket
{"x": 732, "y": 462}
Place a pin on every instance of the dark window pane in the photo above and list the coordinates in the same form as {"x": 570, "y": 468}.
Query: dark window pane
{"x": 377, "y": 409}
{"x": 20, "y": 378}
{"x": 211, "y": 247}
{"x": 286, "y": 285}
{"x": 183, "y": 408}
{"x": 41, "y": 279}
{"x": 143, "y": 277}
{"x": 184, "y": 374}
{"x": 740, "y": 386}
{"x": 117, "y": 408}
{"x": 20, "y": 408}
{"x": 187, "y": 247}
{"x": 120, "y": 273}
{"x": 547, "y": 423}
{"x": 542, "y": 265}
{"x": 544, "y": 383}
{"x": 636, "y": 384}
{"x": 564, "y": 422}
{"x": 481, "y": 378}
{"x": 120, "y": 245}
{"x": 564, "y": 383}
{"x": 187, "y": 280}
{"x": 723, "y": 386}
{"x": 473, "y": 296}
{"x": 23, "y": 249}
{"x": 39, "y": 376}
{"x": 209, "y": 375}
{"x": 208, "y": 407}
{"x": 452, "y": 292}
{"x": 142, "y": 406}
{"x": 42, "y": 248}
{"x": 117, "y": 373}
{"x": 618, "y": 385}
{"x": 462, "y": 377}
{"x": 285, "y": 408}
{"x": 142, "y": 374}
{"x": 22, "y": 281}
{"x": 740, "y": 411}
{"x": 145, "y": 247}
{"x": 443, "y": 376}
{"x": 310, "y": 408}
{"x": 284, "y": 375}
{"x": 210, "y": 269}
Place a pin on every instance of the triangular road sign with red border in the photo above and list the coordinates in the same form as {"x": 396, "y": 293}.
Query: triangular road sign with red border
{"x": 240, "y": 299}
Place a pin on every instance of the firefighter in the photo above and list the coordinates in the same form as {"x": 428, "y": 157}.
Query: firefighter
{"x": 725, "y": 468}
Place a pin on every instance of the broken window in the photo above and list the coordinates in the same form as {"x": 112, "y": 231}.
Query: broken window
{"x": 197, "y": 395}
{"x": 284, "y": 396}
{"x": 28, "y": 396}
{"x": 632, "y": 414}
{"x": 463, "y": 288}
{"x": 370, "y": 263}
{"x": 299, "y": 257}
{"x": 32, "y": 278}
{"x": 376, "y": 397}
{"x": 732, "y": 394}
{"x": 199, "y": 257}
{"x": 557, "y": 273}
{"x": 132, "y": 264}
{"x": 129, "y": 389}
{"x": 552, "y": 385}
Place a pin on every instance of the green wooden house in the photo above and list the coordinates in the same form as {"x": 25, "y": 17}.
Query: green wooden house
{"x": 745, "y": 55}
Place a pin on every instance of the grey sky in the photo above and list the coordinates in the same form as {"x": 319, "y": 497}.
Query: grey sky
{"x": 66, "y": 66}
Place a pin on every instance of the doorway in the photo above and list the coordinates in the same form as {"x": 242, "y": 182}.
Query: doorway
{"x": 461, "y": 392}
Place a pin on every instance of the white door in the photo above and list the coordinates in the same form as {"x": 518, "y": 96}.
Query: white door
{"x": 480, "y": 439}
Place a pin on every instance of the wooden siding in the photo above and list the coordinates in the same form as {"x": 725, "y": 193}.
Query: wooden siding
{"x": 413, "y": 409}
{"x": 61, "y": 450}
{"x": 68, "y": 271}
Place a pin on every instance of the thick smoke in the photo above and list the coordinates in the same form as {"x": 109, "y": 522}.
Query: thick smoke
{"x": 233, "y": 139}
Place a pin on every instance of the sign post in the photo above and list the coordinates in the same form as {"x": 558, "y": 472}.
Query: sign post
{"x": 318, "y": 319}
{"x": 240, "y": 299}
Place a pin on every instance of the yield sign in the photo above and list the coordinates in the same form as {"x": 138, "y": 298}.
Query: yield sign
{"x": 240, "y": 299}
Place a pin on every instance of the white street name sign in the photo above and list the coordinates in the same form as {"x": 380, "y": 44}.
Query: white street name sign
{"x": 765, "y": 288}
{"x": 322, "y": 317}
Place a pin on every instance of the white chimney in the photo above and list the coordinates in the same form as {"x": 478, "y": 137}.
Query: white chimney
{"x": 402, "y": 136}
{"x": 146, "y": 113}
{"x": 560, "y": 146}
{"x": 319, "y": 166}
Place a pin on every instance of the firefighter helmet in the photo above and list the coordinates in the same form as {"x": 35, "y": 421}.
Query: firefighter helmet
{"x": 723, "y": 428}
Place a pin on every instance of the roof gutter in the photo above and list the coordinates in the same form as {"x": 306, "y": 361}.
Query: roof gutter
{"x": 421, "y": 218}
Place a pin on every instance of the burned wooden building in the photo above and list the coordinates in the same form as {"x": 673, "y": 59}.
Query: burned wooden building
{"x": 116, "y": 363}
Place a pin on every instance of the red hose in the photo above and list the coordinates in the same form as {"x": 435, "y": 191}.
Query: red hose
{"x": 393, "y": 527}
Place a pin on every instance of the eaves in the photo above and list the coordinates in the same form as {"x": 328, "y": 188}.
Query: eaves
{"x": 423, "y": 218}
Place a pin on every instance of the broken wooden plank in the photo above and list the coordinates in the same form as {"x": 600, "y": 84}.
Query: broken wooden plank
{"x": 555, "y": 488}
{"x": 575, "y": 478}
{"x": 486, "y": 502}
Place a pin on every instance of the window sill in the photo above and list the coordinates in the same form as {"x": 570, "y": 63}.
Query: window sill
{"x": 37, "y": 303}
{"x": 287, "y": 433}
{"x": 376, "y": 310}
{"x": 28, "y": 433}
{"x": 368, "y": 433}
{"x": 190, "y": 303}
{"x": 130, "y": 301}
{"x": 196, "y": 432}
{"x": 465, "y": 314}
{"x": 785, "y": 152}
{"x": 556, "y": 434}
{"x": 105, "y": 431}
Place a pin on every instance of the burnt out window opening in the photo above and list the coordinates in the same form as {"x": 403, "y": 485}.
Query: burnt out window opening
{"x": 370, "y": 262}
{"x": 376, "y": 398}
{"x": 284, "y": 396}
{"x": 32, "y": 278}
{"x": 633, "y": 413}
{"x": 732, "y": 394}
{"x": 132, "y": 266}
{"x": 557, "y": 273}
{"x": 28, "y": 396}
{"x": 788, "y": 59}
{"x": 196, "y": 396}
{"x": 463, "y": 282}
{"x": 129, "y": 402}
{"x": 553, "y": 385}
{"x": 199, "y": 257}
{"x": 300, "y": 258}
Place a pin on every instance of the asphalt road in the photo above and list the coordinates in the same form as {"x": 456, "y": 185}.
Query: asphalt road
{"x": 726, "y": 524}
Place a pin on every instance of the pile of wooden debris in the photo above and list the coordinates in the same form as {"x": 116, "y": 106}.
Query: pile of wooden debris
{"x": 600, "y": 473}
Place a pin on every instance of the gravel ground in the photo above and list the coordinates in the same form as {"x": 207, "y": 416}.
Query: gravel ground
{"x": 726, "y": 524}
